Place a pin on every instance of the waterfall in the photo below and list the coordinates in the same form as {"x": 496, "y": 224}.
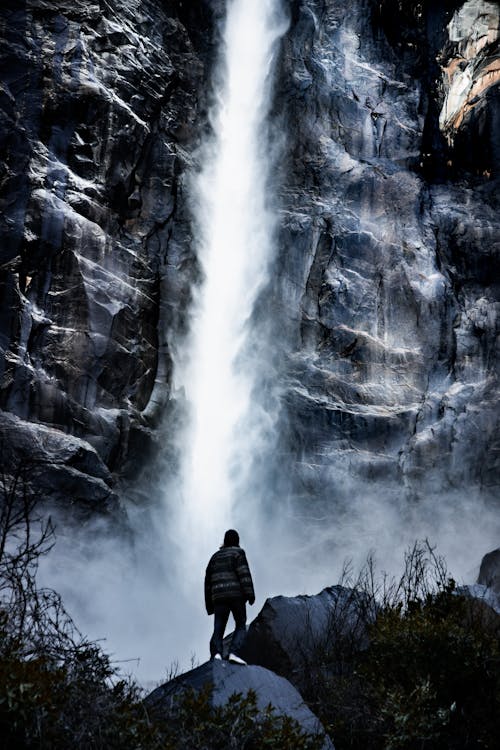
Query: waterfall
{"x": 234, "y": 237}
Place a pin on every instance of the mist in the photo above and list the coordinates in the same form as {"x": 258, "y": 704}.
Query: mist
{"x": 128, "y": 596}
{"x": 146, "y": 596}
{"x": 233, "y": 228}
{"x": 236, "y": 462}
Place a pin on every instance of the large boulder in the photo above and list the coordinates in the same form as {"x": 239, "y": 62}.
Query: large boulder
{"x": 487, "y": 586}
{"x": 227, "y": 679}
{"x": 489, "y": 572}
{"x": 293, "y": 636}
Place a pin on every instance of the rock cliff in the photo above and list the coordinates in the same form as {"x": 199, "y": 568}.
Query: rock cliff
{"x": 384, "y": 287}
{"x": 385, "y": 279}
{"x": 99, "y": 106}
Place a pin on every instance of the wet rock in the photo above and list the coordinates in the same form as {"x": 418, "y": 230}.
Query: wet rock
{"x": 228, "y": 679}
{"x": 98, "y": 105}
{"x": 383, "y": 300}
{"x": 384, "y": 280}
{"x": 64, "y": 472}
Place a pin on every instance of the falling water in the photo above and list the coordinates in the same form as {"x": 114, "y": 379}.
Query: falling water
{"x": 234, "y": 228}
{"x": 137, "y": 602}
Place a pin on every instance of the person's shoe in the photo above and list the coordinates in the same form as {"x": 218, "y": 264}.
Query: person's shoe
{"x": 217, "y": 656}
{"x": 236, "y": 659}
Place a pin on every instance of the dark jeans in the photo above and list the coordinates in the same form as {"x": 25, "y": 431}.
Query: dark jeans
{"x": 222, "y": 610}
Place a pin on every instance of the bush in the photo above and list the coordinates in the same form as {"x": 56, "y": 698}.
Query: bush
{"x": 58, "y": 690}
{"x": 49, "y": 707}
{"x": 433, "y": 668}
{"x": 429, "y": 677}
{"x": 195, "y": 724}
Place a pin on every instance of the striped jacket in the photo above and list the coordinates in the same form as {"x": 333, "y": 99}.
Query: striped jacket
{"x": 228, "y": 577}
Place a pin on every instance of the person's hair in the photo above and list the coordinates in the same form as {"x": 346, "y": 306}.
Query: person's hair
{"x": 231, "y": 538}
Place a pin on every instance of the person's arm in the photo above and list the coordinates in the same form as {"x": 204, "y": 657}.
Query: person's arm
{"x": 245, "y": 577}
{"x": 208, "y": 591}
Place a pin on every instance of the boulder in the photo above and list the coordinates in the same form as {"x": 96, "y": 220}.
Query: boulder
{"x": 489, "y": 572}
{"x": 295, "y": 635}
{"x": 487, "y": 586}
{"x": 228, "y": 679}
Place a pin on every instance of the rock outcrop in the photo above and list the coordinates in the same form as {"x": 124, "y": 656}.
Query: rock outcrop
{"x": 99, "y": 105}
{"x": 227, "y": 679}
{"x": 385, "y": 281}
{"x": 471, "y": 69}
{"x": 487, "y": 587}
{"x": 52, "y": 464}
{"x": 292, "y": 635}
{"x": 489, "y": 572}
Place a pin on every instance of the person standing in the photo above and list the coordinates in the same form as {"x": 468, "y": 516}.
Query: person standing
{"x": 228, "y": 586}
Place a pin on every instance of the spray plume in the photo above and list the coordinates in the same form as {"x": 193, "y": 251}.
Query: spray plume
{"x": 234, "y": 228}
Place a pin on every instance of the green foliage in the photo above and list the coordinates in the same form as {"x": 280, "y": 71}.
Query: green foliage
{"x": 195, "y": 724}
{"x": 434, "y": 672}
{"x": 429, "y": 676}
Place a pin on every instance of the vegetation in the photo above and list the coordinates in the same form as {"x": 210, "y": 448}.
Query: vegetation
{"x": 408, "y": 664}
{"x": 58, "y": 690}
{"x": 428, "y": 675}
{"x": 239, "y": 724}
{"x": 433, "y": 668}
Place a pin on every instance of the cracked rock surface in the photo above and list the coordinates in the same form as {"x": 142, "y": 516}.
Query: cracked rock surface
{"x": 386, "y": 279}
{"x": 98, "y": 104}
{"x": 385, "y": 286}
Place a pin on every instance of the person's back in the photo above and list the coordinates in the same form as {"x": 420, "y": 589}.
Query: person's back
{"x": 228, "y": 586}
{"x": 229, "y": 575}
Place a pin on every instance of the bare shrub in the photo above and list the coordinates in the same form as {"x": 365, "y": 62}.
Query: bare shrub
{"x": 60, "y": 690}
{"x": 425, "y": 673}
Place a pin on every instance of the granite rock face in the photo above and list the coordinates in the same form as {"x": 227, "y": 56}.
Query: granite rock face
{"x": 385, "y": 280}
{"x": 471, "y": 71}
{"x": 228, "y": 679}
{"x": 384, "y": 290}
{"x": 98, "y": 106}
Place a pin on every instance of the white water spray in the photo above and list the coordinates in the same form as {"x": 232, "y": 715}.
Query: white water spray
{"x": 234, "y": 232}
{"x": 132, "y": 597}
